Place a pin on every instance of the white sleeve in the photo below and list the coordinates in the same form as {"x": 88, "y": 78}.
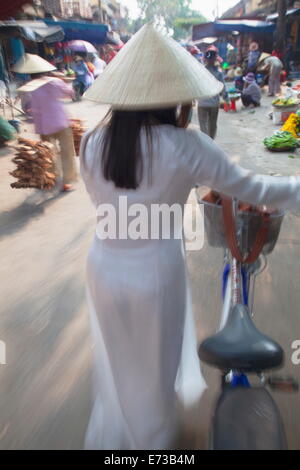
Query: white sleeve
{"x": 211, "y": 167}
{"x": 88, "y": 168}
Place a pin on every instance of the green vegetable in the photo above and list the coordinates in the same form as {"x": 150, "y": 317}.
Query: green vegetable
{"x": 281, "y": 139}
{"x": 284, "y": 102}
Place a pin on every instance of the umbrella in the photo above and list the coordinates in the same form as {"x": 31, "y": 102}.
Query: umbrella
{"x": 81, "y": 46}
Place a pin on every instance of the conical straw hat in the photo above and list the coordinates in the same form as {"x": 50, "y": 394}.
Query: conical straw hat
{"x": 263, "y": 56}
{"x": 152, "y": 71}
{"x": 32, "y": 63}
{"x": 35, "y": 84}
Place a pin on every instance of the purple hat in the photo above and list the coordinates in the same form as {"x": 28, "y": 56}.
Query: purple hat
{"x": 250, "y": 78}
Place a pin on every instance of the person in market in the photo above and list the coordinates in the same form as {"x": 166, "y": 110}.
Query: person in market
{"x": 49, "y": 116}
{"x": 231, "y": 54}
{"x": 90, "y": 65}
{"x": 253, "y": 56}
{"x": 84, "y": 78}
{"x": 110, "y": 53}
{"x": 208, "y": 108}
{"x": 274, "y": 66}
{"x": 251, "y": 94}
{"x": 214, "y": 48}
{"x": 146, "y": 368}
{"x": 7, "y": 132}
{"x": 238, "y": 78}
{"x": 99, "y": 65}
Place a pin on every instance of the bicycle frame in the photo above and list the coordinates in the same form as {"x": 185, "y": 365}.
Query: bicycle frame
{"x": 239, "y": 348}
{"x": 235, "y": 290}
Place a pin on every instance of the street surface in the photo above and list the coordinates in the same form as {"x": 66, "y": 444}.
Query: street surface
{"x": 45, "y": 385}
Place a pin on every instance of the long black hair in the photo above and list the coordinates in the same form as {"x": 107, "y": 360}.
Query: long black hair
{"x": 122, "y": 155}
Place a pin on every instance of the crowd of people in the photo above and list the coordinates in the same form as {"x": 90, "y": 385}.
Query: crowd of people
{"x": 85, "y": 68}
{"x": 246, "y": 77}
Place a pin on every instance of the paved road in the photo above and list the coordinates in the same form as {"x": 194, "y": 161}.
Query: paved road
{"x": 45, "y": 385}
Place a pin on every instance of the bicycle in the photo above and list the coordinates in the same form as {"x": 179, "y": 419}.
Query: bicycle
{"x": 246, "y": 417}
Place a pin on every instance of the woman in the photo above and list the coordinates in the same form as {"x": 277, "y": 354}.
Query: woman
{"x": 208, "y": 108}
{"x": 84, "y": 78}
{"x": 99, "y": 65}
{"x": 253, "y": 56}
{"x": 251, "y": 94}
{"x": 48, "y": 112}
{"x": 146, "y": 371}
{"x": 274, "y": 66}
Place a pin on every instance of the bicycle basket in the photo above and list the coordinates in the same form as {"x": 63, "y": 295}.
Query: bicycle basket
{"x": 247, "y": 222}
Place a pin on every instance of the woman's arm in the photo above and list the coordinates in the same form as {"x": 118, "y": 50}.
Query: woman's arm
{"x": 211, "y": 166}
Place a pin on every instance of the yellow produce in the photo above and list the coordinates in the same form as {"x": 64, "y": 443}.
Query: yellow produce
{"x": 292, "y": 125}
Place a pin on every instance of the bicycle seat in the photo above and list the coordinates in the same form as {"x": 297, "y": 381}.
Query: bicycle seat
{"x": 239, "y": 345}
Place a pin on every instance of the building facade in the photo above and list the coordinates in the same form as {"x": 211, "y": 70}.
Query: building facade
{"x": 256, "y": 8}
{"x": 248, "y": 8}
{"x": 110, "y": 12}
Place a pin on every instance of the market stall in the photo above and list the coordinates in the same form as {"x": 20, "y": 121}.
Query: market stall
{"x": 242, "y": 30}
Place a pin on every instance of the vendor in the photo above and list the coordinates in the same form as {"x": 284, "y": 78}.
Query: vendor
{"x": 251, "y": 94}
{"x": 274, "y": 66}
{"x": 7, "y": 132}
{"x": 99, "y": 65}
{"x": 230, "y": 74}
{"x": 49, "y": 116}
{"x": 84, "y": 77}
{"x": 238, "y": 78}
{"x": 208, "y": 108}
{"x": 253, "y": 56}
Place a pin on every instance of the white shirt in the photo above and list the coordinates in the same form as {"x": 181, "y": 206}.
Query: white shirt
{"x": 145, "y": 345}
{"x": 99, "y": 65}
{"x": 273, "y": 61}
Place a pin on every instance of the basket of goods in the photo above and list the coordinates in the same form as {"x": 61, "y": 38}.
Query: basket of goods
{"x": 284, "y": 102}
{"x": 247, "y": 230}
{"x": 78, "y": 130}
{"x": 35, "y": 165}
{"x": 282, "y": 108}
{"x": 281, "y": 141}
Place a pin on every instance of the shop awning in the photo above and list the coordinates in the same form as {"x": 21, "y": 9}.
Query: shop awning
{"x": 274, "y": 16}
{"x": 244, "y": 26}
{"x": 36, "y": 31}
{"x": 227, "y": 26}
{"x": 95, "y": 33}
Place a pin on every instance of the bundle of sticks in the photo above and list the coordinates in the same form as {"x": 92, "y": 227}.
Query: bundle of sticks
{"x": 35, "y": 165}
{"x": 78, "y": 130}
